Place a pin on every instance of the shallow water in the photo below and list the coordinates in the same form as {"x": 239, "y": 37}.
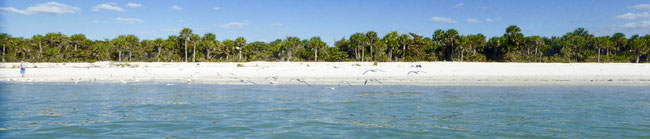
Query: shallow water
{"x": 217, "y": 111}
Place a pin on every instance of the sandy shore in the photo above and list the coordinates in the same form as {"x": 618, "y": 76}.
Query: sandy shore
{"x": 334, "y": 73}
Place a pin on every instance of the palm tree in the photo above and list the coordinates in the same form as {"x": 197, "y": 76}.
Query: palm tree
{"x": 372, "y": 38}
{"x": 63, "y": 42}
{"x": 290, "y": 44}
{"x": 536, "y": 41}
{"x": 619, "y": 42}
{"x": 514, "y": 39}
{"x": 131, "y": 40}
{"x": 195, "y": 40}
{"x": 476, "y": 42}
{"x": 119, "y": 43}
{"x": 451, "y": 38}
{"x": 604, "y": 42}
{"x": 359, "y": 40}
{"x": 646, "y": 39}
{"x": 315, "y": 43}
{"x": 185, "y": 35}
{"x": 209, "y": 43}
{"x": 38, "y": 40}
{"x": 639, "y": 45}
{"x": 240, "y": 43}
{"x": 228, "y": 46}
{"x": 404, "y": 42}
{"x": 5, "y": 38}
{"x": 391, "y": 40}
{"x": 158, "y": 44}
{"x": 463, "y": 44}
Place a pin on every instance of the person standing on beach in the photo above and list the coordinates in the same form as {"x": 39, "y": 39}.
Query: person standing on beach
{"x": 22, "y": 68}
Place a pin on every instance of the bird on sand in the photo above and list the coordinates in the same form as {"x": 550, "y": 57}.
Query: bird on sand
{"x": 372, "y": 80}
{"x": 372, "y": 70}
{"x": 273, "y": 79}
{"x": 262, "y": 68}
{"x": 75, "y": 81}
{"x": 243, "y": 81}
{"x": 344, "y": 82}
{"x": 301, "y": 80}
{"x": 415, "y": 72}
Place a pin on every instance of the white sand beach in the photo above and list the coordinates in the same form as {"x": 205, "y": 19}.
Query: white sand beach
{"x": 335, "y": 73}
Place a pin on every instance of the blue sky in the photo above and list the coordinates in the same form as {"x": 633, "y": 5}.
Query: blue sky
{"x": 267, "y": 20}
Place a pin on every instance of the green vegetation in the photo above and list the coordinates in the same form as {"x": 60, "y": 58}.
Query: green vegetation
{"x": 443, "y": 45}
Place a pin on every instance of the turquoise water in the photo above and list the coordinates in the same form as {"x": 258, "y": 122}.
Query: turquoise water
{"x": 254, "y": 111}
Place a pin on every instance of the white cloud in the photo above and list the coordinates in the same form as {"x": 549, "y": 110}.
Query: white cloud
{"x": 443, "y": 19}
{"x": 133, "y": 5}
{"x": 128, "y": 20}
{"x": 458, "y": 5}
{"x": 48, "y": 8}
{"x": 216, "y": 8}
{"x": 632, "y": 16}
{"x": 108, "y": 6}
{"x": 641, "y": 6}
{"x": 472, "y": 20}
{"x": 492, "y": 19}
{"x": 276, "y": 25}
{"x": 642, "y": 24}
{"x": 98, "y": 21}
{"x": 176, "y": 7}
{"x": 233, "y": 25}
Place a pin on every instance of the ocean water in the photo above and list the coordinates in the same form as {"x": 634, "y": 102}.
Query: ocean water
{"x": 94, "y": 110}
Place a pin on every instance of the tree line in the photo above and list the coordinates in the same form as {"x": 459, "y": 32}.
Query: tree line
{"x": 442, "y": 45}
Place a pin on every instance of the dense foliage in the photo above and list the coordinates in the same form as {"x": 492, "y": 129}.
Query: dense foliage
{"x": 443, "y": 45}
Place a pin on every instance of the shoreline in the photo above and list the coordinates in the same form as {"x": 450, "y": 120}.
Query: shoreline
{"x": 334, "y": 73}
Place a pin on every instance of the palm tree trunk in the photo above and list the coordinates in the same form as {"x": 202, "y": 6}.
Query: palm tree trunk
{"x": 372, "y": 56}
{"x": 108, "y": 53}
{"x": 452, "y": 53}
{"x": 23, "y": 55}
{"x": 3, "y": 51}
{"x": 207, "y": 57}
{"x": 40, "y": 51}
{"x": 403, "y": 51}
{"x": 536, "y": 47}
{"x": 599, "y": 55}
{"x": 528, "y": 54}
{"x": 119, "y": 54}
{"x": 130, "y": 51}
{"x": 363, "y": 54}
{"x": 185, "y": 50}
{"x": 462, "y": 54}
{"x": 356, "y": 53}
{"x": 316, "y": 55}
{"x": 158, "y": 54}
{"x": 390, "y": 54}
{"x": 194, "y": 53}
{"x": 64, "y": 49}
